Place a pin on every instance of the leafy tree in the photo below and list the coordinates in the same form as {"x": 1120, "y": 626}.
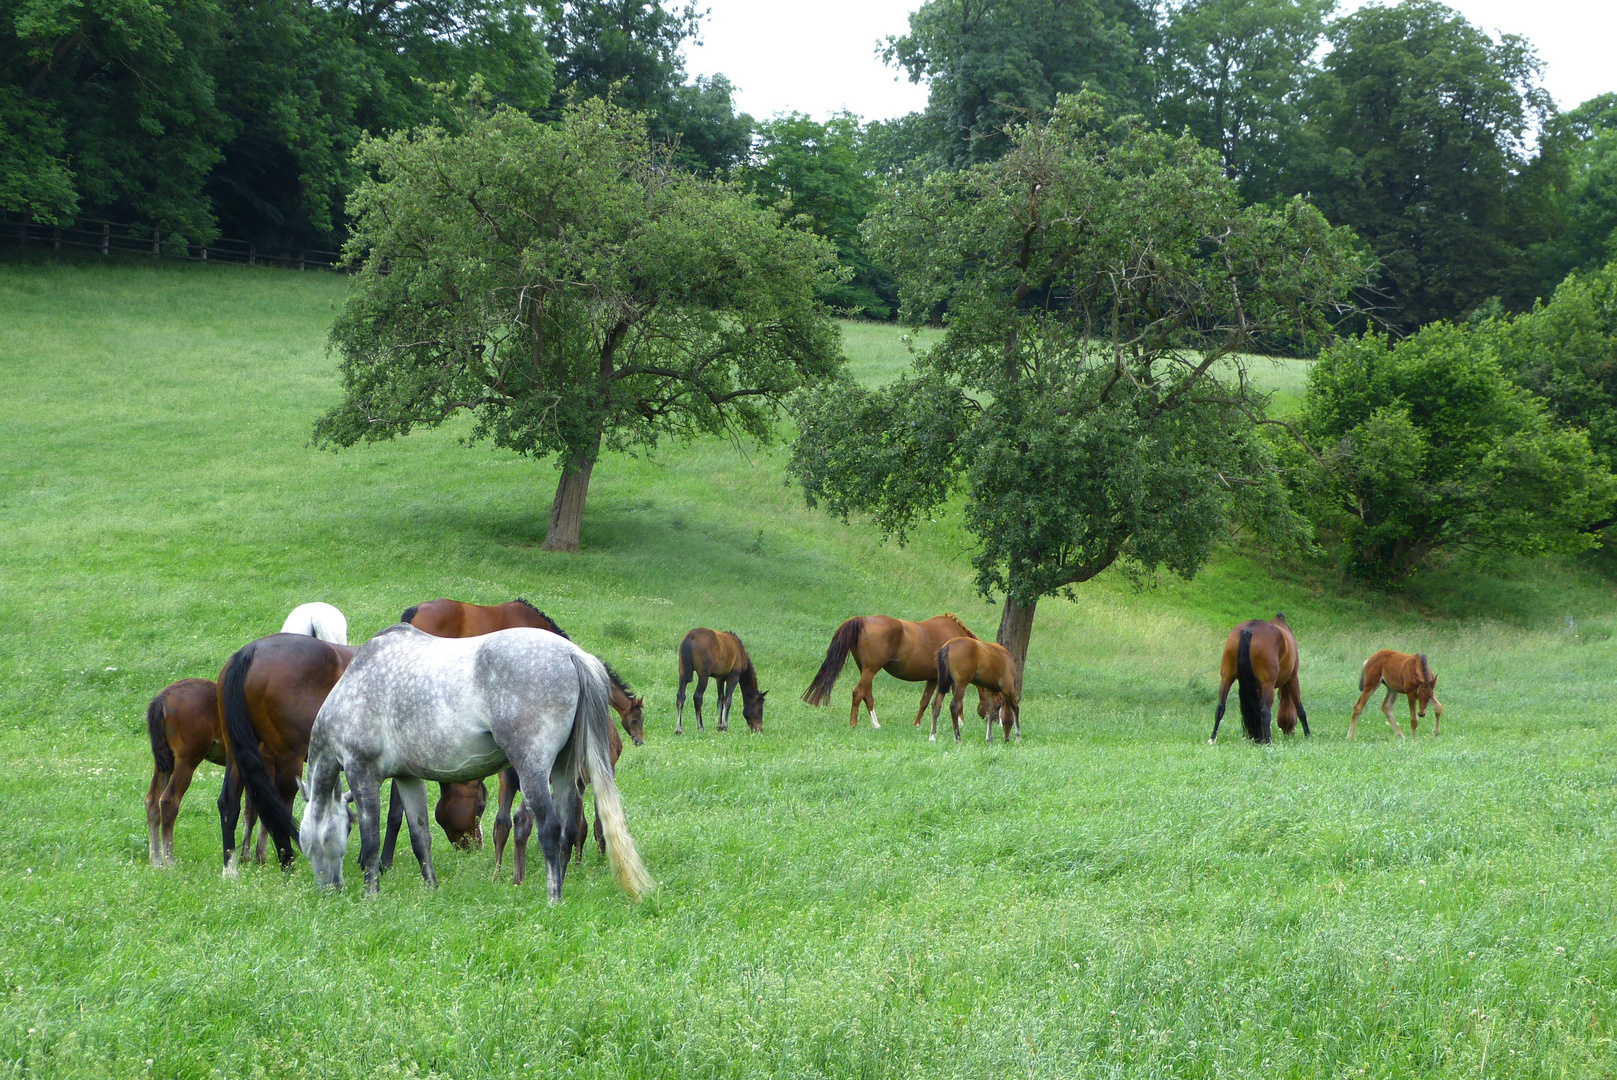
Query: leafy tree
{"x": 574, "y": 291}
{"x": 631, "y": 52}
{"x": 1088, "y": 393}
{"x": 1427, "y": 446}
{"x": 991, "y": 62}
{"x": 1417, "y": 131}
{"x": 819, "y": 170}
{"x": 1565, "y": 352}
{"x": 1233, "y": 72}
{"x": 1580, "y": 149}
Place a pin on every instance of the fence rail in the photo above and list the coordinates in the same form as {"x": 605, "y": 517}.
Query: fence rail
{"x": 105, "y": 237}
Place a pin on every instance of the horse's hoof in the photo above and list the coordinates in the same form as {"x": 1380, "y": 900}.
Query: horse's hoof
{"x": 1212, "y": 742}
{"x": 875, "y": 723}
{"x": 932, "y": 739}
{"x": 230, "y": 873}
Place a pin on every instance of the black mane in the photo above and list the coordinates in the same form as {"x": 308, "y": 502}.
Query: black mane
{"x": 617, "y": 681}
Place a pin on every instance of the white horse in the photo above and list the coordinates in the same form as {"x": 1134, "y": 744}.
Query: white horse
{"x": 317, "y": 620}
{"x": 416, "y": 707}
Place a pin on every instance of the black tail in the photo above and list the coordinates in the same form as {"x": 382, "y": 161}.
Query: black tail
{"x": 945, "y": 676}
{"x": 162, "y": 753}
{"x": 244, "y": 747}
{"x": 842, "y": 643}
{"x": 687, "y": 660}
{"x": 409, "y": 614}
{"x": 1250, "y": 692}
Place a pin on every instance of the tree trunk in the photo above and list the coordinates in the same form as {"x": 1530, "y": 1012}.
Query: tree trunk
{"x": 1016, "y": 629}
{"x": 567, "y": 512}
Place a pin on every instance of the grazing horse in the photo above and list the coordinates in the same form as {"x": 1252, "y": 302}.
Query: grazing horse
{"x": 317, "y": 620}
{"x": 183, "y": 722}
{"x": 905, "y": 650}
{"x": 1262, "y": 658}
{"x": 269, "y": 694}
{"x": 456, "y": 802}
{"x": 966, "y": 661}
{"x": 416, "y": 707}
{"x": 720, "y": 654}
{"x": 1400, "y": 673}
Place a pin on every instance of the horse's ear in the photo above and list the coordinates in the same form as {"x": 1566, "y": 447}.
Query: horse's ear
{"x": 762, "y": 694}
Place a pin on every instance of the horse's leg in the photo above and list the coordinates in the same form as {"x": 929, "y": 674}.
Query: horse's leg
{"x": 937, "y": 707}
{"x": 1223, "y": 698}
{"x": 154, "y": 820}
{"x": 519, "y": 854}
{"x": 395, "y": 818}
{"x": 957, "y": 707}
{"x": 1294, "y": 694}
{"x": 1437, "y": 720}
{"x": 679, "y": 703}
{"x": 1414, "y": 719}
{"x": 1266, "y": 710}
{"x": 926, "y": 696}
{"x": 1364, "y": 696}
{"x": 731, "y": 681}
{"x": 366, "y": 787}
{"x": 168, "y": 807}
{"x": 411, "y": 791}
{"x": 229, "y": 814}
{"x": 1386, "y": 710}
{"x": 287, "y": 771}
{"x": 566, "y": 813}
{"x": 862, "y": 692}
{"x": 580, "y": 834}
{"x": 696, "y": 699}
{"x": 502, "y": 815}
{"x": 600, "y": 835}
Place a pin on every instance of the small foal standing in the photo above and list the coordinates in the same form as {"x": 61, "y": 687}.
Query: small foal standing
{"x": 416, "y": 707}
{"x": 183, "y": 722}
{"x": 968, "y": 661}
{"x": 1400, "y": 673}
{"x": 720, "y": 654}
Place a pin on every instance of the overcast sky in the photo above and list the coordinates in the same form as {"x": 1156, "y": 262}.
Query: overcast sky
{"x": 819, "y": 56}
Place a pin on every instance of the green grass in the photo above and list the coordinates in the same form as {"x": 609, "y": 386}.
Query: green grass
{"x": 1111, "y": 898}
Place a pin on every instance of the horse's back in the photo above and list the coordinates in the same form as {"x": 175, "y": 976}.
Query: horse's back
{"x": 318, "y": 619}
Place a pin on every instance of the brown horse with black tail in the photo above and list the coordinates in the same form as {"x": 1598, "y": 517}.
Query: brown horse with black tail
{"x": 269, "y": 694}
{"x": 1262, "y": 658}
{"x": 1400, "y": 673}
{"x": 905, "y": 650}
{"x": 183, "y": 723}
{"x": 966, "y": 661}
{"x": 719, "y": 654}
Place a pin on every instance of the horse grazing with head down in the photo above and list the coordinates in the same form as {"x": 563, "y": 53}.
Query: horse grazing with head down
{"x": 1400, "y": 673}
{"x": 905, "y": 650}
{"x": 720, "y": 654}
{"x": 183, "y": 723}
{"x": 460, "y": 806}
{"x": 966, "y": 661}
{"x": 416, "y": 707}
{"x": 1262, "y": 658}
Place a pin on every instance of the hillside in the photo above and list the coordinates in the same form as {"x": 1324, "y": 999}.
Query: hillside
{"x": 1112, "y": 896}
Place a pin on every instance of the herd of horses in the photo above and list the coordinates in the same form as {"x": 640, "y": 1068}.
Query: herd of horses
{"x": 457, "y": 692}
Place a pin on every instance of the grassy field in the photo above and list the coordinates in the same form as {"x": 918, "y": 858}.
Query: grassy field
{"x": 1110, "y": 898}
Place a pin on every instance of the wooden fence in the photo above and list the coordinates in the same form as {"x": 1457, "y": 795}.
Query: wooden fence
{"x": 104, "y": 237}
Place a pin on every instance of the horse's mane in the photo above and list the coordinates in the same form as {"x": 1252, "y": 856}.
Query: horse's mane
{"x": 951, "y": 616}
{"x": 523, "y": 601}
{"x": 617, "y": 681}
{"x": 1425, "y": 668}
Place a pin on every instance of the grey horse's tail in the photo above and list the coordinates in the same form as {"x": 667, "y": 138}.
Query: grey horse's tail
{"x": 593, "y": 724}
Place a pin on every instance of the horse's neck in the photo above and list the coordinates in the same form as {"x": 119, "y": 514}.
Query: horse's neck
{"x": 749, "y": 678}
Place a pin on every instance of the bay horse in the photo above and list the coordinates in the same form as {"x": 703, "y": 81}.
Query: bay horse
{"x": 905, "y": 650}
{"x": 416, "y": 707}
{"x": 967, "y": 661}
{"x": 1262, "y": 658}
{"x": 183, "y": 723}
{"x": 317, "y": 620}
{"x": 1400, "y": 673}
{"x": 269, "y": 694}
{"x": 720, "y": 654}
{"x": 460, "y": 806}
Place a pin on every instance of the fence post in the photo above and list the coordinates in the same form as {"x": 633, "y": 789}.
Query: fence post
{"x": 302, "y": 259}
{"x": 252, "y": 254}
{"x": 22, "y": 230}
{"x": 154, "y": 241}
{"x": 106, "y": 237}
{"x": 204, "y": 252}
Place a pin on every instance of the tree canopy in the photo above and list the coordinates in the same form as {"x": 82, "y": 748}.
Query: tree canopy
{"x": 1098, "y": 286}
{"x": 575, "y": 291}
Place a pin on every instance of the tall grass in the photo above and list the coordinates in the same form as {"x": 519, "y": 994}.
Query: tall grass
{"x": 1111, "y": 897}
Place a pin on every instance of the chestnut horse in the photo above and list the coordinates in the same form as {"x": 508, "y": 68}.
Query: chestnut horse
{"x": 1400, "y": 673}
{"x": 269, "y": 694}
{"x": 183, "y": 722}
{"x": 705, "y": 652}
{"x": 1262, "y": 658}
{"x": 905, "y": 650}
{"x": 966, "y": 661}
{"x": 460, "y": 809}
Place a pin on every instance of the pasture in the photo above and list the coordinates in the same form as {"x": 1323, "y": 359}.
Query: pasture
{"x": 1112, "y": 897}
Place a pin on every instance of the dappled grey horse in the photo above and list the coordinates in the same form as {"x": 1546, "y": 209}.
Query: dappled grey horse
{"x": 416, "y": 707}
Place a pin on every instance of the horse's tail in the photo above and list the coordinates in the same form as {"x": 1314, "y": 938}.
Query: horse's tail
{"x": 945, "y": 676}
{"x": 162, "y": 753}
{"x": 594, "y": 726}
{"x": 687, "y": 658}
{"x": 244, "y": 748}
{"x": 409, "y": 614}
{"x": 842, "y": 643}
{"x": 1250, "y": 692}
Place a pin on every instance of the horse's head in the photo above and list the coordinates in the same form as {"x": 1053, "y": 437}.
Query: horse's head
{"x": 1425, "y": 685}
{"x": 326, "y": 823}
{"x": 752, "y": 709}
{"x": 634, "y": 721}
{"x": 460, "y": 813}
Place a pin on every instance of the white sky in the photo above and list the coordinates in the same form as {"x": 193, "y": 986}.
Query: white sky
{"x": 819, "y": 56}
